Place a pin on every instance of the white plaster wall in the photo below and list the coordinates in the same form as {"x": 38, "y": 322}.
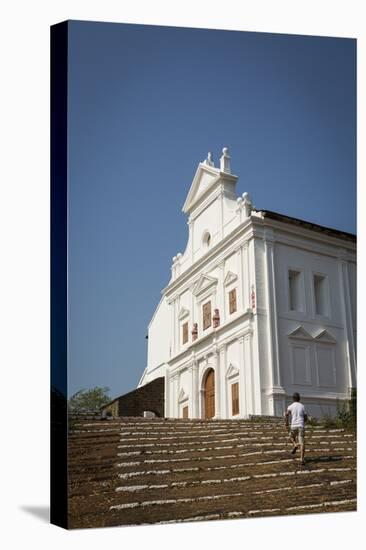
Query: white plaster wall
{"x": 159, "y": 340}
{"x": 320, "y": 397}
{"x": 231, "y": 263}
{"x": 232, "y": 354}
{"x": 230, "y": 216}
{"x": 208, "y": 220}
{"x": 353, "y": 291}
{"x": 308, "y": 263}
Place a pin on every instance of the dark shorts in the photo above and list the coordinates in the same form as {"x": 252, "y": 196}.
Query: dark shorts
{"x": 299, "y": 433}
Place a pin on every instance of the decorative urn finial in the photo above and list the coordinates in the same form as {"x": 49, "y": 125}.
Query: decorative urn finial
{"x": 209, "y": 161}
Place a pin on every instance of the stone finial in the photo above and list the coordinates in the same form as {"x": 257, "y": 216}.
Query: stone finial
{"x": 247, "y": 204}
{"x": 176, "y": 258}
{"x": 216, "y": 318}
{"x": 194, "y": 331}
{"x": 209, "y": 161}
{"x": 225, "y": 161}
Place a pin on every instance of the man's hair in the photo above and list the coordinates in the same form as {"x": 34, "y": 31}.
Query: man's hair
{"x": 296, "y": 396}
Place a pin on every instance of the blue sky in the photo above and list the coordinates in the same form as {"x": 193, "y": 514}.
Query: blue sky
{"x": 146, "y": 104}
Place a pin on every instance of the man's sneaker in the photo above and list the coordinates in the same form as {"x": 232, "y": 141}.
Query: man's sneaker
{"x": 302, "y": 462}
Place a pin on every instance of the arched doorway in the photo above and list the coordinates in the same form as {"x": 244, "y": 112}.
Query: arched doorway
{"x": 209, "y": 394}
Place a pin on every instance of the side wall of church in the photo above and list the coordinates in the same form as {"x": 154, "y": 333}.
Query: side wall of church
{"x": 313, "y": 324}
{"x": 159, "y": 342}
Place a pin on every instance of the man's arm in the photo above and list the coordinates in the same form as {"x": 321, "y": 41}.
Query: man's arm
{"x": 287, "y": 414}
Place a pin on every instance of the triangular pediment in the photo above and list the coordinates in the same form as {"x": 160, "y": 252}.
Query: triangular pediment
{"x": 325, "y": 336}
{"x": 300, "y": 333}
{"x": 182, "y": 395}
{"x": 184, "y": 312}
{"x": 230, "y": 278}
{"x": 205, "y": 178}
{"x": 203, "y": 283}
{"x": 232, "y": 371}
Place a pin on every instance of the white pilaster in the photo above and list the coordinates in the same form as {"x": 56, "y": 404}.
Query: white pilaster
{"x": 271, "y": 306}
{"x": 255, "y": 348}
{"x": 216, "y": 362}
{"x": 221, "y": 298}
{"x": 243, "y": 401}
{"x": 195, "y": 390}
{"x": 191, "y": 237}
{"x": 175, "y": 411}
{"x": 221, "y": 206}
{"x": 245, "y": 282}
{"x": 167, "y": 392}
{"x": 240, "y": 268}
{"x": 248, "y": 375}
{"x": 347, "y": 322}
{"x": 223, "y": 366}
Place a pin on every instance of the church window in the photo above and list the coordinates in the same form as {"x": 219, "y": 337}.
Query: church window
{"x": 320, "y": 295}
{"x": 206, "y": 312}
{"x": 185, "y": 412}
{"x": 232, "y": 301}
{"x": 294, "y": 290}
{"x": 185, "y": 333}
{"x": 235, "y": 398}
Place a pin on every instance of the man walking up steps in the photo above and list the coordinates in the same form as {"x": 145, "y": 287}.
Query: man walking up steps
{"x": 297, "y": 430}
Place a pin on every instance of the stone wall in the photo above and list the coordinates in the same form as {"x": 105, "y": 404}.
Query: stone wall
{"x": 146, "y": 398}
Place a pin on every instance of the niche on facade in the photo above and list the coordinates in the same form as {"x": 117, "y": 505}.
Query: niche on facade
{"x": 183, "y": 318}
{"x": 183, "y": 404}
{"x": 205, "y": 290}
{"x": 232, "y": 385}
{"x": 231, "y": 293}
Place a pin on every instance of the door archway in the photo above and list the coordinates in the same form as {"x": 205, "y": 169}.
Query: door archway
{"x": 209, "y": 394}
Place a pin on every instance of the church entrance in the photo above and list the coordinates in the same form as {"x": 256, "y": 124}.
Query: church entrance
{"x": 209, "y": 392}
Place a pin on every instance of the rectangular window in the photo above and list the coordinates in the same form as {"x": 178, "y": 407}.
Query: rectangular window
{"x": 235, "y": 398}
{"x": 185, "y": 412}
{"x": 232, "y": 301}
{"x": 320, "y": 295}
{"x": 185, "y": 333}
{"x": 206, "y": 311}
{"x": 294, "y": 290}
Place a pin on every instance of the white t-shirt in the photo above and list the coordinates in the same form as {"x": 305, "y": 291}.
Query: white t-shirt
{"x": 297, "y": 411}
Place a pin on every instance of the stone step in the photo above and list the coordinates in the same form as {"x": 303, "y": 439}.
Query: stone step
{"x": 237, "y": 501}
{"x": 135, "y": 451}
{"x": 94, "y": 468}
{"x": 159, "y": 442}
{"x": 136, "y": 471}
{"x": 339, "y": 505}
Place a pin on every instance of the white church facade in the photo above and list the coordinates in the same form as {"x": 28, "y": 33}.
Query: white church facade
{"x": 259, "y": 305}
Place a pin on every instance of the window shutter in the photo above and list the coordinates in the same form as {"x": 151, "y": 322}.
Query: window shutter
{"x": 206, "y": 311}
{"x": 232, "y": 301}
{"x": 235, "y": 398}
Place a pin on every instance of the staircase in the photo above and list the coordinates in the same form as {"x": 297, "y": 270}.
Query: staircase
{"x": 133, "y": 471}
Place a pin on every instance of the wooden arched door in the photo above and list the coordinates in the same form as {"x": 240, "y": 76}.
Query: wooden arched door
{"x": 209, "y": 390}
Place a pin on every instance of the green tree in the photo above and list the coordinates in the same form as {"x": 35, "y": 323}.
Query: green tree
{"x": 89, "y": 401}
